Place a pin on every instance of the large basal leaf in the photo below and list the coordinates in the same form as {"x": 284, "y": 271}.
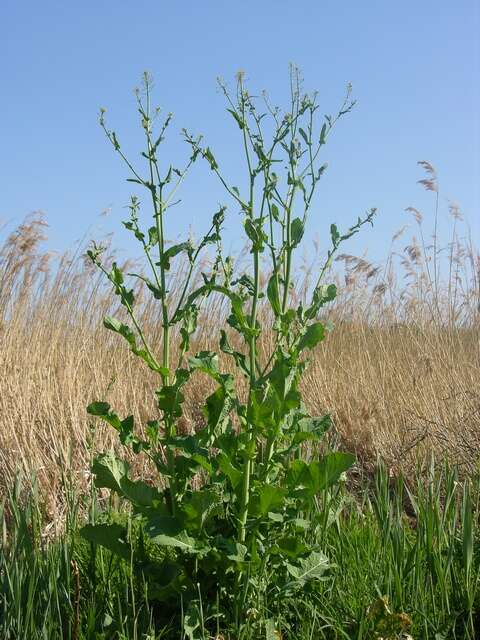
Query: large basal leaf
{"x": 232, "y": 549}
{"x": 291, "y": 546}
{"x": 161, "y": 578}
{"x": 318, "y": 475}
{"x": 312, "y": 567}
{"x": 181, "y": 541}
{"x": 267, "y": 498}
{"x": 110, "y": 536}
{"x": 160, "y": 524}
{"x": 327, "y": 471}
{"x": 199, "y": 507}
{"x": 298, "y": 475}
{"x": 169, "y": 531}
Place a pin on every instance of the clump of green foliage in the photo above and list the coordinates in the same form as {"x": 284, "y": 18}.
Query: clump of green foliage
{"x": 394, "y": 576}
{"x": 252, "y": 511}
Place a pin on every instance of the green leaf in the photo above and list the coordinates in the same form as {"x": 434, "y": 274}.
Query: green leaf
{"x": 152, "y": 236}
{"x": 188, "y": 445}
{"x": 275, "y": 517}
{"x": 109, "y": 471}
{"x": 160, "y": 524}
{"x": 116, "y": 275}
{"x": 297, "y": 229}
{"x": 139, "y": 493}
{"x": 180, "y": 541}
{"x": 226, "y": 467}
{"x": 237, "y": 320}
{"x": 312, "y": 567}
{"x": 263, "y": 408}
{"x": 334, "y": 235}
{"x": 102, "y": 410}
{"x": 467, "y": 533}
{"x": 321, "y": 296}
{"x": 323, "y": 134}
{"x": 111, "y": 536}
{"x": 327, "y": 471}
{"x": 237, "y": 118}
{"x": 304, "y": 135}
{"x": 217, "y": 411}
{"x": 126, "y": 431}
{"x": 298, "y": 475}
{"x": 314, "y": 334}
{"x": 171, "y": 252}
{"x": 209, "y": 156}
{"x": 160, "y": 578}
{"x": 247, "y": 282}
{"x": 98, "y": 408}
{"x": 290, "y": 546}
{"x": 267, "y": 498}
{"x": 240, "y": 358}
{"x": 199, "y": 507}
{"x": 273, "y": 294}
{"x": 206, "y": 361}
{"x": 305, "y": 436}
{"x": 192, "y": 622}
{"x": 317, "y": 475}
{"x": 231, "y": 548}
{"x": 170, "y": 400}
{"x": 275, "y": 212}
{"x": 312, "y": 429}
{"x": 124, "y": 330}
{"x": 157, "y": 292}
{"x": 112, "y": 473}
{"x": 255, "y": 232}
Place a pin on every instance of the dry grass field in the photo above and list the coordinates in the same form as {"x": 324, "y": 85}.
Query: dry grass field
{"x": 400, "y": 372}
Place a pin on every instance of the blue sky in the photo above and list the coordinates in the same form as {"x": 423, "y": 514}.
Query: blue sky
{"x": 414, "y": 67}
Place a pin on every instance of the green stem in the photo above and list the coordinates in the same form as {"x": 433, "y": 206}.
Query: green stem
{"x": 169, "y": 427}
{"x": 248, "y": 468}
{"x": 289, "y": 250}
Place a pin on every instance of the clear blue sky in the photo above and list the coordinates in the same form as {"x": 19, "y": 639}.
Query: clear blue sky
{"x": 414, "y": 68}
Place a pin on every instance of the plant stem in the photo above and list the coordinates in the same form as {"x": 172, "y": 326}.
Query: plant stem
{"x": 247, "y": 471}
{"x": 169, "y": 427}
{"x": 253, "y": 358}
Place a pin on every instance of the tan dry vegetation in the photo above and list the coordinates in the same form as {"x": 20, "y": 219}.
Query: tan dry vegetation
{"x": 399, "y": 373}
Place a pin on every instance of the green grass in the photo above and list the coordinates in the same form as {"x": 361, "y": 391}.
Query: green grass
{"x": 419, "y": 547}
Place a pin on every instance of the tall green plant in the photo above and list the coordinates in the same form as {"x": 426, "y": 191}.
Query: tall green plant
{"x": 235, "y": 498}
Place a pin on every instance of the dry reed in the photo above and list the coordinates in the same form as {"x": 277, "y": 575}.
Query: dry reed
{"x": 399, "y": 373}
